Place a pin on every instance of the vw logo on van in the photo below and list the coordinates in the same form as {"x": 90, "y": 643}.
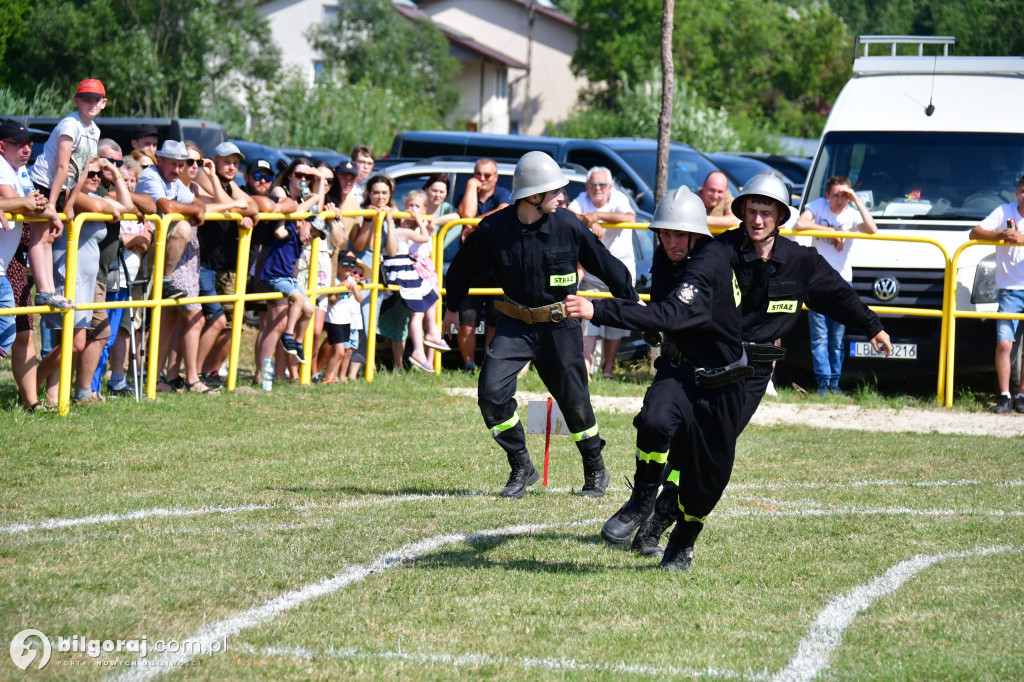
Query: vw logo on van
{"x": 886, "y": 288}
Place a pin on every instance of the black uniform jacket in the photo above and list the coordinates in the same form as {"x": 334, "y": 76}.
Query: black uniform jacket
{"x": 702, "y": 315}
{"x": 534, "y": 264}
{"x": 774, "y": 289}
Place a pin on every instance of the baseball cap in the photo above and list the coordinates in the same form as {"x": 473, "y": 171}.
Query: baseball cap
{"x": 260, "y": 165}
{"x": 346, "y": 167}
{"x": 91, "y": 86}
{"x": 173, "y": 149}
{"x": 145, "y": 130}
{"x": 227, "y": 149}
{"x": 12, "y": 130}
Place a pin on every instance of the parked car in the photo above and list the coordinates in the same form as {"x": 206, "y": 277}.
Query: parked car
{"x": 421, "y": 144}
{"x": 739, "y": 169}
{"x": 328, "y": 156}
{"x": 255, "y": 150}
{"x": 794, "y": 168}
{"x": 686, "y": 165}
{"x": 412, "y": 175}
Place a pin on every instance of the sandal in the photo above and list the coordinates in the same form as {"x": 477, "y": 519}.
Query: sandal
{"x": 53, "y": 300}
{"x": 164, "y": 387}
{"x": 437, "y": 345}
{"x": 36, "y": 407}
{"x": 201, "y": 388}
{"x": 424, "y": 367}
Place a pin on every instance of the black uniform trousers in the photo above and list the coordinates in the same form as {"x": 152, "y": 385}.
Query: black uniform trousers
{"x": 703, "y": 447}
{"x": 557, "y": 353}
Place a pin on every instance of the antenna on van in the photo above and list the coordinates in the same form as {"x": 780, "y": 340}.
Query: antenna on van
{"x": 930, "y": 109}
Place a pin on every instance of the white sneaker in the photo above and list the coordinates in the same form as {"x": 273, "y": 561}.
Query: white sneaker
{"x": 770, "y": 389}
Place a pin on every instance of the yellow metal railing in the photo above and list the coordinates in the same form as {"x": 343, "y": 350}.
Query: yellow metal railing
{"x": 948, "y": 313}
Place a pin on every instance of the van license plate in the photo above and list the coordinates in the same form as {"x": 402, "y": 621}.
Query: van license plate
{"x": 900, "y": 351}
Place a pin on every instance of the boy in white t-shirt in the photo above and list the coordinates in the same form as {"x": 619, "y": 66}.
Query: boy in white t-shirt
{"x": 1003, "y": 225}
{"x": 55, "y": 173}
{"x": 833, "y": 212}
{"x": 341, "y": 317}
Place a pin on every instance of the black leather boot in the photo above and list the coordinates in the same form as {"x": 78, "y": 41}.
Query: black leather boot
{"x": 679, "y": 551}
{"x": 625, "y": 522}
{"x": 522, "y": 476}
{"x": 666, "y": 509}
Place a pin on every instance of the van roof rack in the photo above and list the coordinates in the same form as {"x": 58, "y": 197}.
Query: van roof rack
{"x": 948, "y": 44}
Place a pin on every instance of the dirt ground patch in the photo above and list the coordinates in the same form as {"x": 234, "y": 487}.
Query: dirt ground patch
{"x": 773, "y": 413}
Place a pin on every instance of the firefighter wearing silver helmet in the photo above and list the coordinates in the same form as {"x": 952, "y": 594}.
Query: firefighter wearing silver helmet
{"x": 690, "y": 411}
{"x": 777, "y": 277}
{"x": 534, "y": 247}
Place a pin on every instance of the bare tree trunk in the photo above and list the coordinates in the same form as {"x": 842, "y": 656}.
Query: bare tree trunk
{"x": 667, "y": 94}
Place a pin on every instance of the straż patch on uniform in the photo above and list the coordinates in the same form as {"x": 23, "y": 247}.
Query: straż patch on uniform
{"x": 687, "y": 292}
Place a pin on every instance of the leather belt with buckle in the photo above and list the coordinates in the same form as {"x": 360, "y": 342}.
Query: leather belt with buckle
{"x": 545, "y": 313}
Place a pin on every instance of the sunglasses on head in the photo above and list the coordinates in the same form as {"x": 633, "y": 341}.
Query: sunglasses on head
{"x": 116, "y": 162}
{"x": 92, "y": 175}
{"x": 257, "y": 176}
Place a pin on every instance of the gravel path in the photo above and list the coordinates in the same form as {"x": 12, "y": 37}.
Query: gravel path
{"x": 772, "y": 413}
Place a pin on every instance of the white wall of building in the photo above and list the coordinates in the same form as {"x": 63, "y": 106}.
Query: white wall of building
{"x": 503, "y": 26}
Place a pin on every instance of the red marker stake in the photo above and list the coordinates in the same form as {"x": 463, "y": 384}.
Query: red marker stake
{"x": 547, "y": 444}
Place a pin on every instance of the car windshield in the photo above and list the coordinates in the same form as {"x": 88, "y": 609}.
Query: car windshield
{"x": 684, "y": 167}
{"x": 930, "y": 176}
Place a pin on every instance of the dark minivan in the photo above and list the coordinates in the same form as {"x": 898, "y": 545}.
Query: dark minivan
{"x": 422, "y": 144}
{"x": 206, "y": 134}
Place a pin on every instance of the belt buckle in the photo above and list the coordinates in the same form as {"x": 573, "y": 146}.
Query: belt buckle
{"x": 557, "y": 313}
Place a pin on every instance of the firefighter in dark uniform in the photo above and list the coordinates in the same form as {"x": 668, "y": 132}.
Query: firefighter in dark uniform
{"x": 660, "y": 416}
{"x": 702, "y": 364}
{"x": 534, "y": 247}
{"x": 777, "y": 276}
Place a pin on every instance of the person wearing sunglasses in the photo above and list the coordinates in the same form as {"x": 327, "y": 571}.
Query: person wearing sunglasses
{"x": 218, "y": 254}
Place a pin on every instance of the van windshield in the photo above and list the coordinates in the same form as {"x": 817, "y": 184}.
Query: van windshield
{"x": 684, "y": 167}
{"x": 928, "y": 176}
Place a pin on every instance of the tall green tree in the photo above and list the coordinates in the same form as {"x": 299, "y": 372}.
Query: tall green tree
{"x": 336, "y": 113}
{"x": 155, "y": 58}
{"x": 619, "y": 40}
{"x": 371, "y": 41}
{"x": 981, "y": 27}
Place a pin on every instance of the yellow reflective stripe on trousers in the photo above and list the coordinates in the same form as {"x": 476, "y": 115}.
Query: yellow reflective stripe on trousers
{"x": 497, "y": 429}
{"x": 687, "y": 517}
{"x": 659, "y": 457}
{"x": 673, "y": 476}
{"x": 592, "y": 431}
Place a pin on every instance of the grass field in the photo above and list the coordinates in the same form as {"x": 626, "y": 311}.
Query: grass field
{"x": 353, "y": 533}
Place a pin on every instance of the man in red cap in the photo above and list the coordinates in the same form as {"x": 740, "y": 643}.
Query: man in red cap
{"x": 55, "y": 173}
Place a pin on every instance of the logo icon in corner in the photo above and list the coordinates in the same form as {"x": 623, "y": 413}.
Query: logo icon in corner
{"x": 886, "y": 288}
{"x": 23, "y": 655}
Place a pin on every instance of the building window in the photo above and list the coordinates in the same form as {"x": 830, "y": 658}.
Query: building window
{"x": 330, "y": 16}
{"x": 501, "y": 83}
{"x": 318, "y": 70}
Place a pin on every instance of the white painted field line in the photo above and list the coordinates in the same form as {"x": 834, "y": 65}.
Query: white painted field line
{"x": 868, "y": 511}
{"x": 826, "y": 633}
{"x": 229, "y": 627}
{"x": 160, "y": 512}
{"x": 476, "y": 660}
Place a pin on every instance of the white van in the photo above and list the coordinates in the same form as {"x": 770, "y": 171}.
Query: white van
{"x": 932, "y": 144}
